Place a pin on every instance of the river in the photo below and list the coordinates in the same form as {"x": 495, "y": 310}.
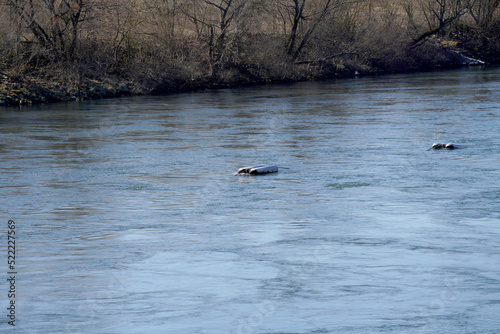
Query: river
{"x": 129, "y": 218}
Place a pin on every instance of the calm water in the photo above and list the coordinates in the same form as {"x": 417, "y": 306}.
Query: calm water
{"x": 130, "y": 219}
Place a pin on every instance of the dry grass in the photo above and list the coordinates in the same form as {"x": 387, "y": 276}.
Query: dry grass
{"x": 131, "y": 47}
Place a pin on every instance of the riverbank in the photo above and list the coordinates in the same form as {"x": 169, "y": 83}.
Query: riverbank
{"x": 84, "y": 50}
{"x": 40, "y": 87}
{"x": 66, "y": 82}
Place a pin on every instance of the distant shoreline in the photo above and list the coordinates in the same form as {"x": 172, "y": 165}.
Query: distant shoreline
{"x": 35, "y": 88}
{"x": 87, "y": 50}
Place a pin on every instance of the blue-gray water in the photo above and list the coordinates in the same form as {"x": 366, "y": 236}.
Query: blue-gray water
{"x": 130, "y": 220}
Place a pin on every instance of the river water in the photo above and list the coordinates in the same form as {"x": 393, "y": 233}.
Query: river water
{"x": 129, "y": 218}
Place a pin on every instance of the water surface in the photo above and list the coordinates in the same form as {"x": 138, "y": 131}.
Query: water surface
{"x": 130, "y": 219}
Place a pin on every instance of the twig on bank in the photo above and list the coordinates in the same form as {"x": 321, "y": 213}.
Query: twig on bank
{"x": 6, "y": 75}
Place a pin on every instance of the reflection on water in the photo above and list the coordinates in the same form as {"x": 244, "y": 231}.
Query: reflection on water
{"x": 130, "y": 218}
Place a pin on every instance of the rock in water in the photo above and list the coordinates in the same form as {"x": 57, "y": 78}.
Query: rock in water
{"x": 437, "y": 146}
{"x": 451, "y": 146}
{"x": 246, "y": 170}
{"x": 258, "y": 169}
{"x": 264, "y": 170}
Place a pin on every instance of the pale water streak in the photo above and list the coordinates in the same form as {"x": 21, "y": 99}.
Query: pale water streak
{"x": 130, "y": 219}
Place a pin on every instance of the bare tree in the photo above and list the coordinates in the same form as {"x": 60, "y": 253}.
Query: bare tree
{"x": 303, "y": 17}
{"x": 482, "y": 11}
{"x": 438, "y": 14}
{"x": 214, "y": 21}
{"x": 164, "y": 12}
{"x": 53, "y": 24}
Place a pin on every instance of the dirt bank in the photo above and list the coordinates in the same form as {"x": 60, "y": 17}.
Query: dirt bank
{"x": 66, "y": 82}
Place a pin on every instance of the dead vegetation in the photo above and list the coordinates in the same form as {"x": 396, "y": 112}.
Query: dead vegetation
{"x": 54, "y": 50}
